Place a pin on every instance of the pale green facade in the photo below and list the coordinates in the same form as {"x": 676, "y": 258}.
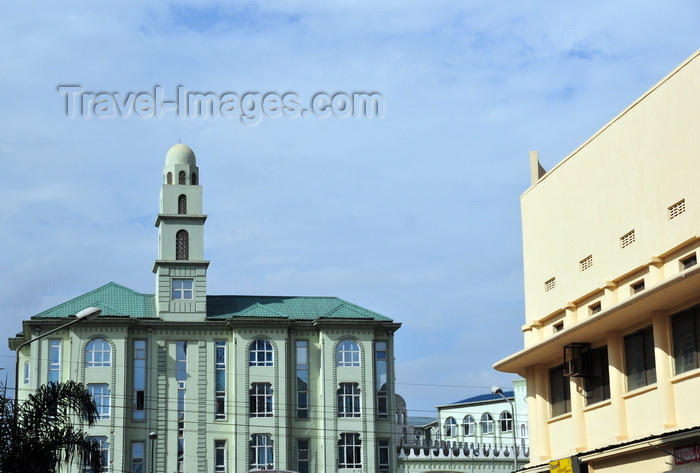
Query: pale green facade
{"x": 228, "y": 383}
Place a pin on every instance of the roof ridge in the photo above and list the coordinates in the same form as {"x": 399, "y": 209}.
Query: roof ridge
{"x": 112, "y": 310}
{"x": 113, "y": 298}
{"x": 112, "y": 283}
{"x": 370, "y": 312}
{"x": 70, "y": 301}
{"x": 276, "y": 297}
{"x": 258, "y": 305}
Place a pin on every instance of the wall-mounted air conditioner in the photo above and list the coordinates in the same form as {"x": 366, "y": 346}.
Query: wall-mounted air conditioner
{"x": 577, "y": 363}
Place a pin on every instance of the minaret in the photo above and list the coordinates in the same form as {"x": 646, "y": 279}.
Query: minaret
{"x": 181, "y": 270}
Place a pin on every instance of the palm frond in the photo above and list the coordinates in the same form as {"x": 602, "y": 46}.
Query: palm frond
{"x": 41, "y": 435}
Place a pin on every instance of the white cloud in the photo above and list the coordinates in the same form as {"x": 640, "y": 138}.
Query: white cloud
{"x": 414, "y": 215}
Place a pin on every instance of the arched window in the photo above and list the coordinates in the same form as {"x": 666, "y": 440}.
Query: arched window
{"x": 181, "y": 178}
{"x": 523, "y": 430}
{"x": 469, "y": 425}
{"x": 261, "y": 353}
{"x": 98, "y": 352}
{"x": 169, "y": 178}
{"x": 194, "y": 179}
{"x": 450, "y": 427}
{"x": 182, "y": 245}
{"x": 347, "y": 353}
{"x": 486, "y": 423}
{"x": 182, "y": 204}
{"x": 506, "y": 421}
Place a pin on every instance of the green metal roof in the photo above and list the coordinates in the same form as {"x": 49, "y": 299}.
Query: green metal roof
{"x": 114, "y": 300}
{"x": 118, "y": 301}
{"x": 292, "y": 307}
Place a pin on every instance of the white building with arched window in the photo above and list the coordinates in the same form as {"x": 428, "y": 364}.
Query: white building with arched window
{"x": 474, "y": 434}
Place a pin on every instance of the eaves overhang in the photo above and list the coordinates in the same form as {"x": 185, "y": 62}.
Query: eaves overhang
{"x": 182, "y": 218}
{"x": 669, "y": 295}
{"x": 458, "y": 405}
{"x": 184, "y": 262}
{"x": 661, "y": 442}
{"x": 335, "y": 323}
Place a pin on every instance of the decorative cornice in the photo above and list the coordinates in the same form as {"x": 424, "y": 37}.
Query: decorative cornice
{"x": 195, "y": 218}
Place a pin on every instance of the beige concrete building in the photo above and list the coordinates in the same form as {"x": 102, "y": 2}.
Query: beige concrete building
{"x": 612, "y": 291}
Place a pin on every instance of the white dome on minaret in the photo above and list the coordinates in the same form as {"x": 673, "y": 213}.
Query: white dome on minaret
{"x": 180, "y": 154}
{"x": 181, "y": 270}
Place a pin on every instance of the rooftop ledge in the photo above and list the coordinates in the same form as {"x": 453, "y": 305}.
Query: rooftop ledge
{"x": 667, "y": 295}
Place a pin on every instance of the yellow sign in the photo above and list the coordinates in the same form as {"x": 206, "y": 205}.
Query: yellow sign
{"x": 565, "y": 465}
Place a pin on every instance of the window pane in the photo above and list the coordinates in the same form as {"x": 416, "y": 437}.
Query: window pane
{"x": 649, "y": 357}
{"x": 597, "y": 384}
{"x": 634, "y": 361}
{"x": 640, "y": 365}
{"x": 139, "y": 378}
{"x": 684, "y": 341}
{"x": 486, "y": 423}
{"x": 559, "y": 391}
{"x": 261, "y": 353}
{"x": 506, "y": 421}
{"x": 348, "y": 353}
{"x": 137, "y": 457}
{"x": 54, "y": 361}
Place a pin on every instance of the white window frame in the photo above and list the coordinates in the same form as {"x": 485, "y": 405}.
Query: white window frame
{"x": 303, "y": 454}
{"x": 104, "y": 448}
{"x": 220, "y": 456}
{"x": 262, "y": 452}
{"x": 139, "y": 380}
{"x": 261, "y": 400}
{"x": 137, "y": 462}
{"x": 383, "y": 452}
{"x": 302, "y": 379}
{"x": 486, "y": 423}
{"x": 103, "y": 399}
{"x": 348, "y": 353}
{"x": 349, "y": 451}
{"x": 98, "y": 348}
{"x": 349, "y": 400}
{"x": 469, "y": 425}
{"x": 180, "y": 291}
{"x": 54, "y": 368}
{"x": 261, "y": 353}
{"x": 505, "y": 420}
{"x": 450, "y": 427}
{"x": 219, "y": 371}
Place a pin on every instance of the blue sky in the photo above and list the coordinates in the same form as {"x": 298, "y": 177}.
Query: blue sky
{"x": 414, "y": 215}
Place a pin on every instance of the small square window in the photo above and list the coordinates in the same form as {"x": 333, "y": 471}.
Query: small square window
{"x": 637, "y": 287}
{"x": 676, "y": 209}
{"x": 182, "y": 289}
{"x": 689, "y": 261}
{"x": 595, "y": 308}
{"x": 586, "y": 263}
{"x": 558, "y": 327}
{"x": 550, "y": 284}
{"x": 627, "y": 239}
